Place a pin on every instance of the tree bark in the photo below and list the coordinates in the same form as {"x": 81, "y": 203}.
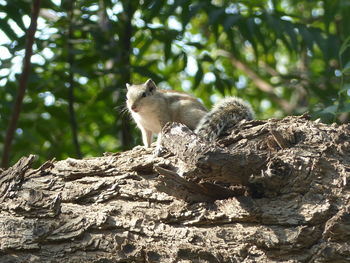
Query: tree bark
{"x": 266, "y": 191}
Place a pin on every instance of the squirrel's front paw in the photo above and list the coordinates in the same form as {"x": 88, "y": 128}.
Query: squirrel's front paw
{"x": 159, "y": 151}
{"x": 139, "y": 147}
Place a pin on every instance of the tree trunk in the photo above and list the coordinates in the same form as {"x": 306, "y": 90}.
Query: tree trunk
{"x": 267, "y": 191}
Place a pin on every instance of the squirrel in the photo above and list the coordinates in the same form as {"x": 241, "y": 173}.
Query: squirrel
{"x": 152, "y": 108}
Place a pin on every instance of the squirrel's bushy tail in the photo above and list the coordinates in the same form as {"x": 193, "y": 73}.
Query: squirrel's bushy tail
{"x": 227, "y": 111}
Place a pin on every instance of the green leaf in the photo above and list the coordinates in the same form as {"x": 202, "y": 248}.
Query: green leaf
{"x": 216, "y": 16}
{"x": 279, "y": 28}
{"x": 346, "y": 69}
{"x": 344, "y": 46}
{"x": 346, "y": 87}
{"x": 5, "y": 27}
{"x": 320, "y": 41}
{"x": 247, "y": 34}
{"x": 145, "y": 72}
{"x": 344, "y": 108}
{"x": 307, "y": 36}
{"x": 192, "y": 11}
{"x": 167, "y": 49}
{"x": 199, "y": 76}
{"x": 195, "y": 44}
{"x": 231, "y": 20}
{"x": 289, "y": 29}
{"x": 207, "y": 58}
{"x": 183, "y": 55}
{"x": 330, "y": 109}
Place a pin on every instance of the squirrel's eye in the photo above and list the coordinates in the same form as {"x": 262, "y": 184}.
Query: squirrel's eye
{"x": 143, "y": 94}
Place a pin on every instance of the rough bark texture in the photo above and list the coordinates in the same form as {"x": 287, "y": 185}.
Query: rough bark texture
{"x": 267, "y": 191}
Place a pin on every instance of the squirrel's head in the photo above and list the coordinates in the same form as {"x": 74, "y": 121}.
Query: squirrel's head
{"x": 138, "y": 95}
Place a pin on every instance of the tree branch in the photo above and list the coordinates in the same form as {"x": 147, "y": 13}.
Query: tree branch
{"x": 258, "y": 81}
{"x": 125, "y": 54}
{"x": 71, "y": 98}
{"x": 23, "y": 83}
{"x": 132, "y": 207}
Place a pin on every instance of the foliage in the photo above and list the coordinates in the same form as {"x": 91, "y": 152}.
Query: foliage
{"x": 285, "y": 57}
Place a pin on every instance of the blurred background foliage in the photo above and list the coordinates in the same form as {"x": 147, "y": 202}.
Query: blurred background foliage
{"x": 283, "y": 56}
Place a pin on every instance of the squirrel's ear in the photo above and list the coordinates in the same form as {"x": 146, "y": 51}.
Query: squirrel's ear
{"x": 150, "y": 85}
{"x": 128, "y": 85}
